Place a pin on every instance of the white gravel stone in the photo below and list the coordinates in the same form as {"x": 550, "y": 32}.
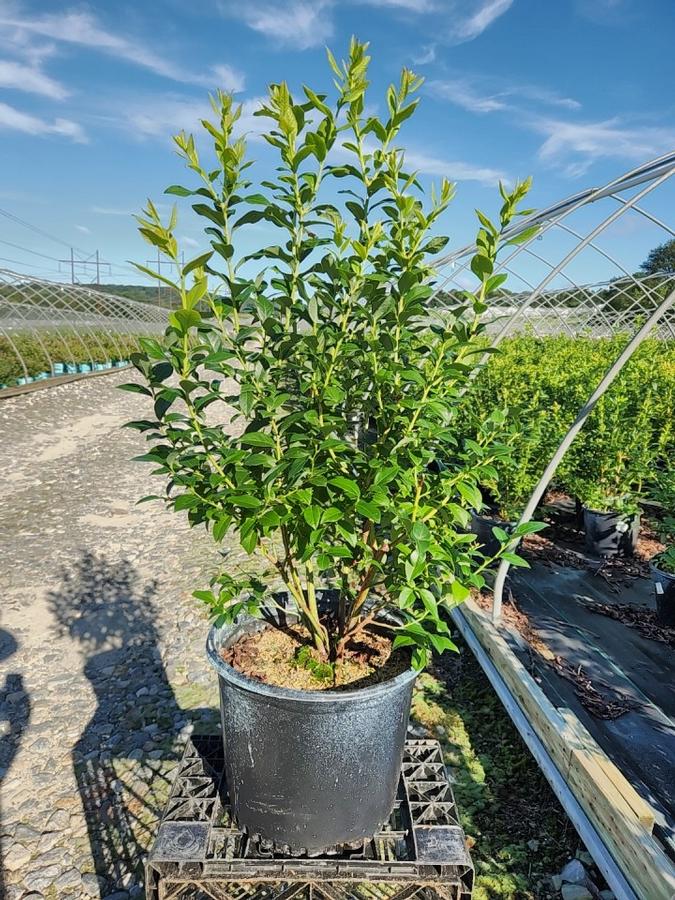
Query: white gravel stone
{"x": 573, "y": 872}
{"x": 16, "y": 857}
{"x": 576, "y": 892}
{"x": 40, "y": 879}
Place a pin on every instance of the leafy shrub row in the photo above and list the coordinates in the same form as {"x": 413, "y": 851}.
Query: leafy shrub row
{"x": 67, "y": 346}
{"x": 625, "y": 446}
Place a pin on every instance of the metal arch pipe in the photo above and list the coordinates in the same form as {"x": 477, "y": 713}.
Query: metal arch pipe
{"x": 574, "y": 429}
{"x": 629, "y": 275}
{"x": 18, "y": 310}
{"x": 84, "y": 322}
{"x": 11, "y": 343}
{"x": 634, "y": 177}
{"x": 80, "y": 311}
{"x": 656, "y": 171}
{"x": 579, "y": 247}
{"x": 646, "y": 214}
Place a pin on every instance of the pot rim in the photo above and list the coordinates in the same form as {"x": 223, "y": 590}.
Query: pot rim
{"x": 229, "y": 673}
{"x": 613, "y": 513}
{"x": 653, "y": 565}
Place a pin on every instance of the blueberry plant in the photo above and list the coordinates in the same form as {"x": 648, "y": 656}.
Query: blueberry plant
{"x": 622, "y": 451}
{"x": 664, "y": 493}
{"x": 310, "y": 408}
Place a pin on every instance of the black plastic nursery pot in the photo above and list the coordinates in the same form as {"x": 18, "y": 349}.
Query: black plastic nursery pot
{"x": 610, "y": 533}
{"x": 664, "y": 587}
{"x": 309, "y": 770}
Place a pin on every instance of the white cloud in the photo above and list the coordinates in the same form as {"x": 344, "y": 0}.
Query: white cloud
{"x": 455, "y": 170}
{"x": 542, "y": 95}
{"x": 227, "y": 78}
{"x": 299, "y": 23}
{"x": 83, "y": 229}
{"x": 416, "y": 6}
{"x": 29, "y": 78}
{"x": 81, "y": 28}
{"x": 16, "y": 120}
{"x": 466, "y": 28}
{"x": 575, "y": 146}
{"x": 417, "y": 161}
{"x": 110, "y": 211}
{"x": 188, "y": 241}
{"x": 159, "y": 116}
{"x": 462, "y": 93}
{"x": 425, "y": 56}
{"x": 309, "y": 23}
{"x": 607, "y": 12}
{"x": 484, "y": 97}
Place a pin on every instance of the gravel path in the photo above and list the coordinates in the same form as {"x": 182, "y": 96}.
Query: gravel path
{"x": 101, "y": 644}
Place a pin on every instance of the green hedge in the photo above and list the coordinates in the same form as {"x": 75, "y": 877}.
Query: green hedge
{"x": 625, "y": 446}
{"x": 72, "y": 347}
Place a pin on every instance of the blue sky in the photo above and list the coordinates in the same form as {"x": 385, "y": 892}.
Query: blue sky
{"x": 571, "y": 92}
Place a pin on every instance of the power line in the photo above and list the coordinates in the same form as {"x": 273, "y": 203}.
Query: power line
{"x": 34, "y": 228}
{"x": 27, "y": 250}
{"x": 18, "y": 262}
{"x": 19, "y": 221}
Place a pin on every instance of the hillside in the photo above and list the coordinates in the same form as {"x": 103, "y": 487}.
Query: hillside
{"x": 142, "y": 293}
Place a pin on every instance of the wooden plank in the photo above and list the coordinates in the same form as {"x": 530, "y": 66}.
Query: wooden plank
{"x": 585, "y": 747}
{"x": 606, "y": 797}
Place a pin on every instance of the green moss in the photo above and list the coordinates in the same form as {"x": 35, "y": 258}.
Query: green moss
{"x": 504, "y": 801}
{"x": 304, "y": 658}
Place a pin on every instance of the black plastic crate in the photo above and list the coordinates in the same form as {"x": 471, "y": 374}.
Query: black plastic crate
{"x": 200, "y": 853}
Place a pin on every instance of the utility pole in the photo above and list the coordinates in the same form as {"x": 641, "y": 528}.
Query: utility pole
{"x": 159, "y": 262}
{"x": 84, "y": 263}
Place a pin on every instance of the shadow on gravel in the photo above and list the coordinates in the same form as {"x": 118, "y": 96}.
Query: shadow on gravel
{"x": 123, "y": 760}
{"x": 15, "y": 712}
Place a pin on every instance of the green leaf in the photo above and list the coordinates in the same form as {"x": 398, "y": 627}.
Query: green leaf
{"x": 516, "y": 560}
{"x": 178, "y": 191}
{"x": 502, "y": 536}
{"x": 347, "y": 486}
{"x": 186, "y": 501}
{"x": 524, "y": 235}
{"x": 257, "y": 439}
{"x": 157, "y": 276}
{"x": 332, "y": 514}
{"x": 459, "y": 591}
{"x": 248, "y": 540}
{"x": 135, "y": 389}
{"x": 245, "y": 501}
{"x": 184, "y": 319}
{"x": 470, "y": 493}
{"x": 312, "y": 515}
{"x": 369, "y": 510}
{"x": 420, "y": 532}
{"x": 481, "y": 266}
{"x": 220, "y": 528}
{"x": 530, "y": 528}
{"x": 251, "y": 217}
{"x": 197, "y": 263}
